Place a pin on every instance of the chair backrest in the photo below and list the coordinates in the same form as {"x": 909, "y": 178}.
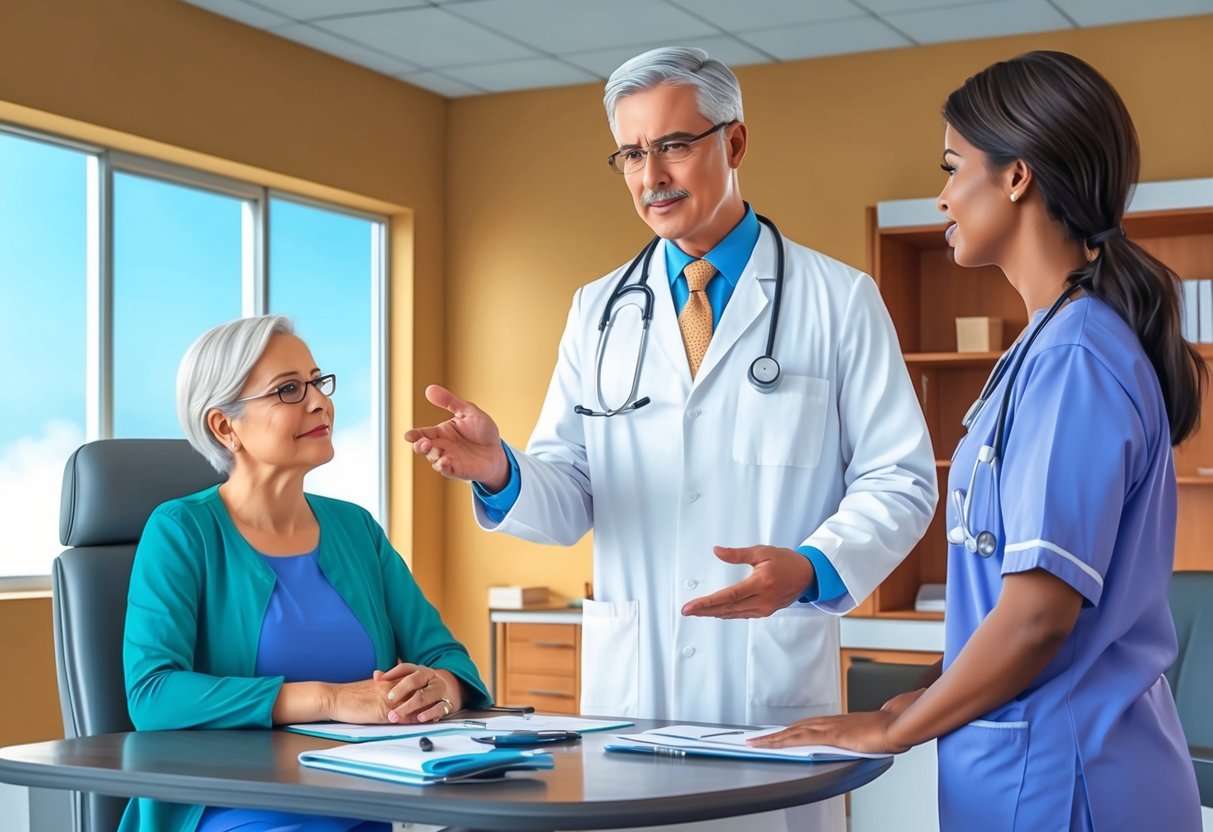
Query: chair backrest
{"x": 110, "y": 487}
{"x": 870, "y": 684}
{"x": 1191, "y": 677}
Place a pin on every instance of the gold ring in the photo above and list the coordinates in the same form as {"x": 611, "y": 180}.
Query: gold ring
{"x": 447, "y": 707}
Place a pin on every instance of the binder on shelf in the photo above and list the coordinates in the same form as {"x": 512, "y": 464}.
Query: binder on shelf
{"x": 930, "y": 598}
{"x": 1189, "y": 311}
{"x": 1205, "y": 312}
{"x": 516, "y": 597}
{"x": 444, "y": 758}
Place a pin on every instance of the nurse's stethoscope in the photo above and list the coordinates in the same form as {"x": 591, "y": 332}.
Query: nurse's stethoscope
{"x": 763, "y": 372}
{"x": 984, "y": 543}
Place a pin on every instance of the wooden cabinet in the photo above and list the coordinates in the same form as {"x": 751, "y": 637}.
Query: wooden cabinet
{"x": 540, "y": 665}
{"x": 925, "y": 292}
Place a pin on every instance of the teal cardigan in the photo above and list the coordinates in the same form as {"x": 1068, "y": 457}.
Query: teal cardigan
{"x": 193, "y": 622}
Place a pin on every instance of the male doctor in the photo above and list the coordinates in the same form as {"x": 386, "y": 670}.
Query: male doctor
{"x": 732, "y": 524}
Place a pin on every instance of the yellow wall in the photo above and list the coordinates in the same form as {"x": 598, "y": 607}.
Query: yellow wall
{"x": 167, "y": 79}
{"x": 502, "y": 206}
{"x": 540, "y": 213}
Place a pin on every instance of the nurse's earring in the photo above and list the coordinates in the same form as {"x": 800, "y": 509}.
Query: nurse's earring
{"x": 1014, "y": 196}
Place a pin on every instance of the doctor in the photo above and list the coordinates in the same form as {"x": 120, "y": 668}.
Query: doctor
{"x": 1052, "y": 710}
{"x": 714, "y": 495}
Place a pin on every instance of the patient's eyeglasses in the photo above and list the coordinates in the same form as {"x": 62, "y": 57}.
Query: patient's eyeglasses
{"x": 293, "y": 392}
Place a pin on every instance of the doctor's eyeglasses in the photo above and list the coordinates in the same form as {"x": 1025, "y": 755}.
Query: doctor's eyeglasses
{"x": 293, "y": 392}
{"x": 673, "y": 148}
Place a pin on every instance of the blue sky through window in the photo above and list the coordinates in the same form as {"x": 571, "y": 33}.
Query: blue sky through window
{"x": 177, "y": 272}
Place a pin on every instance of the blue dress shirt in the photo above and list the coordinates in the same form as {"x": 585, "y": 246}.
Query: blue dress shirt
{"x": 729, "y": 257}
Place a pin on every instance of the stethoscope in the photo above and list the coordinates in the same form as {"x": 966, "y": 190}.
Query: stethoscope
{"x": 763, "y": 373}
{"x": 984, "y": 543}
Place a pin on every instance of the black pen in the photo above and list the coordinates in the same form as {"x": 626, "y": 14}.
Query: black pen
{"x": 521, "y": 710}
{"x": 426, "y": 744}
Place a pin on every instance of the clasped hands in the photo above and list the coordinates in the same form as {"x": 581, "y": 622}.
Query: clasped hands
{"x": 408, "y": 693}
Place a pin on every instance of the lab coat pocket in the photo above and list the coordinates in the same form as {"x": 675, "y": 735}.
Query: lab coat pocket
{"x": 785, "y": 427}
{"x": 981, "y": 771}
{"x": 610, "y": 664}
{"x": 792, "y": 662}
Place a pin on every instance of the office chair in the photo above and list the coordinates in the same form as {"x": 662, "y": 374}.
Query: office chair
{"x": 870, "y": 684}
{"x": 1191, "y": 677}
{"x": 110, "y": 487}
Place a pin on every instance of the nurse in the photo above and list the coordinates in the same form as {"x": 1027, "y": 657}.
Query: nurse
{"x": 1052, "y": 711}
{"x": 731, "y": 524}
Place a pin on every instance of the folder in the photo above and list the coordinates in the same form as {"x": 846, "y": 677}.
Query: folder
{"x": 707, "y": 741}
{"x": 450, "y": 758}
{"x": 347, "y": 732}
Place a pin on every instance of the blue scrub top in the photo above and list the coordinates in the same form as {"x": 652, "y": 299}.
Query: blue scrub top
{"x": 1086, "y": 491}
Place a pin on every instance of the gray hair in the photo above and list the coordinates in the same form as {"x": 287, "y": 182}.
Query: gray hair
{"x": 212, "y": 374}
{"x": 683, "y": 66}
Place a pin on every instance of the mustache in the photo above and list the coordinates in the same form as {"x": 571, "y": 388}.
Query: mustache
{"x": 661, "y": 196}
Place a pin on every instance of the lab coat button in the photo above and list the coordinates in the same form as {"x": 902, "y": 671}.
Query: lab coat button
{"x": 691, "y": 583}
{"x": 692, "y": 496}
{"x": 687, "y": 652}
{"x": 694, "y": 414}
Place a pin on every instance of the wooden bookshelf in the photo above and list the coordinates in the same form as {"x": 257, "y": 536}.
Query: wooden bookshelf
{"x": 925, "y": 292}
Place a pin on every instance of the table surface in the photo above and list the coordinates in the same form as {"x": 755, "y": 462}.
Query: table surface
{"x": 588, "y": 788}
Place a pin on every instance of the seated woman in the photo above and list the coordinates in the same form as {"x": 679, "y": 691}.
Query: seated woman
{"x": 253, "y": 604}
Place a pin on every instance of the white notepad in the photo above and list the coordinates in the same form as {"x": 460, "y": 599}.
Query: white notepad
{"x": 699, "y": 740}
{"x": 450, "y": 758}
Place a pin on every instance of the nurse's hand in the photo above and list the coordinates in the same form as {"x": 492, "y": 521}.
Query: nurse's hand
{"x": 465, "y": 447}
{"x": 902, "y": 701}
{"x": 866, "y": 731}
{"x": 779, "y": 578}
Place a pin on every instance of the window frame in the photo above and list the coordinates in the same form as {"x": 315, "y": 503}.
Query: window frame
{"x": 101, "y": 166}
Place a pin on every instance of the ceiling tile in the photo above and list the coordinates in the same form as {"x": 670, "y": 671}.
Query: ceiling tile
{"x": 734, "y": 16}
{"x": 518, "y": 75}
{"x": 439, "y": 83}
{"x": 311, "y": 9}
{"x": 428, "y": 37}
{"x": 1103, "y": 12}
{"x": 834, "y": 37}
{"x": 558, "y": 26}
{"x": 238, "y": 10}
{"x": 309, "y": 35}
{"x": 980, "y": 20}
{"x": 883, "y": 7}
{"x": 602, "y": 62}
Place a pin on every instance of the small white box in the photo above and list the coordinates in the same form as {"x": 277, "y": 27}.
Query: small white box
{"x": 978, "y": 334}
{"x": 930, "y": 598}
{"x": 516, "y": 597}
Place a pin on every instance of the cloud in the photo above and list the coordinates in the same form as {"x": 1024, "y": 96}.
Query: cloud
{"x": 31, "y": 481}
{"x": 354, "y": 472}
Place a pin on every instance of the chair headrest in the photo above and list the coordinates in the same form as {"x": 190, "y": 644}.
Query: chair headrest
{"x": 111, "y": 486}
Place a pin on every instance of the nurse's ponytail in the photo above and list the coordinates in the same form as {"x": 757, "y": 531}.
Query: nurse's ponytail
{"x": 1070, "y": 127}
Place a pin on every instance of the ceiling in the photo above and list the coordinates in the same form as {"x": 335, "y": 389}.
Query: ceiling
{"x": 470, "y": 47}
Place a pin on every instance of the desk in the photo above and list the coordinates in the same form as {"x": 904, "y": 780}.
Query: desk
{"x": 588, "y": 788}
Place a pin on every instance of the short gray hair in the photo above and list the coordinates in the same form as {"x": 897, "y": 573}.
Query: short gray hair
{"x": 212, "y": 374}
{"x": 680, "y": 66}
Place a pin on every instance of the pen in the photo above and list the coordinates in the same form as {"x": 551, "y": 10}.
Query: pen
{"x": 522, "y": 710}
{"x": 426, "y": 744}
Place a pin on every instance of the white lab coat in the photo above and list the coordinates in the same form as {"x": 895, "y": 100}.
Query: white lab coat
{"x": 838, "y": 457}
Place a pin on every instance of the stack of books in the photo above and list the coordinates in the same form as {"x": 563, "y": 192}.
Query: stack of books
{"x": 516, "y": 597}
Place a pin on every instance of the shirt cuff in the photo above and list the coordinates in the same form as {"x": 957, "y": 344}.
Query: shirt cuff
{"x": 828, "y": 585}
{"x": 498, "y": 505}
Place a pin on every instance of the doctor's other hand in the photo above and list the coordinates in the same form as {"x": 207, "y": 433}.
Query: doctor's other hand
{"x": 465, "y": 447}
{"x": 779, "y": 578}
{"x": 866, "y": 731}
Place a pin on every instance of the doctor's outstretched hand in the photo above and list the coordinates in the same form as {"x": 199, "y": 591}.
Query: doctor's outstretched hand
{"x": 465, "y": 447}
{"x": 779, "y": 577}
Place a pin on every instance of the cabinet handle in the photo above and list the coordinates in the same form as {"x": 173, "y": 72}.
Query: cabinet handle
{"x": 559, "y": 694}
{"x": 537, "y": 643}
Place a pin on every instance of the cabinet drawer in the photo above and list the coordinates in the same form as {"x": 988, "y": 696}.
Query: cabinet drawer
{"x": 553, "y": 694}
{"x": 541, "y": 648}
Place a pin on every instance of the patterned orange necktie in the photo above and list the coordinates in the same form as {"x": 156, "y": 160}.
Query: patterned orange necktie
{"x": 696, "y": 318}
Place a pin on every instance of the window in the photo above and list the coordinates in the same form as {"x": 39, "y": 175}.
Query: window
{"x": 43, "y": 276}
{"x": 111, "y": 265}
{"x": 324, "y": 268}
